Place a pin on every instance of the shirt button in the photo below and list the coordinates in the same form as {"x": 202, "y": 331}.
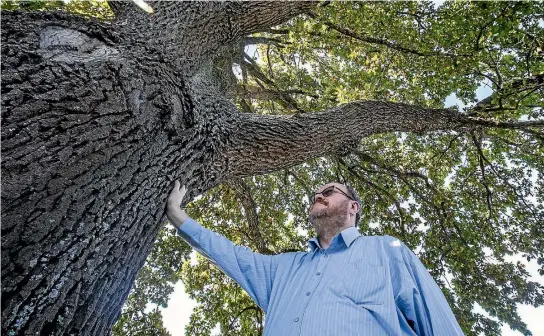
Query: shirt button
{"x": 326, "y": 256}
{"x": 297, "y": 319}
{"x": 308, "y": 293}
{"x": 318, "y": 273}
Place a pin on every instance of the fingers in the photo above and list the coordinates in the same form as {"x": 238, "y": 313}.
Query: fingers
{"x": 177, "y": 185}
{"x": 178, "y": 192}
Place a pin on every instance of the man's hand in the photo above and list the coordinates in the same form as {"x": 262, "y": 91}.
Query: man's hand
{"x": 174, "y": 212}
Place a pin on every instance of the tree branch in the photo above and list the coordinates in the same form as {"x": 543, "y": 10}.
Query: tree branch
{"x": 531, "y": 83}
{"x": 258, "y": 93}
{"x": 245, "y": 106}
{"x": 536, "y": 134}
{"x": 485, "y": 26}
{"x": 231, "y": 325}
{"x": 243, "y": 193}
{"x": 302, "y": 183}
{"x": 389, "y": 44}
{"x": 448, "y": 147}
{"x": 478, "y": 145}
{"x": 284, "y": 99}
{"x": 264, "y": 40}
{"x": 276, "y": 31}
{"x": 379, "y": 190}
{"x": 410, "y": 173}
{"x": 258, "y": 16}
{"x": 199, "y": 38}
{"x": 522, "y": 125}
{"x": 276, "y": 142}
{"x": 403, "y": 175}
{"x": 509, "y": 184}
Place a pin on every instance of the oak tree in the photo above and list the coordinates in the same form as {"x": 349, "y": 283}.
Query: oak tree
{"x": 99, "y": 116}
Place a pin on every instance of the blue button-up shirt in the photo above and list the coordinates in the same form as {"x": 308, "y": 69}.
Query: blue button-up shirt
{"x": 360, "y": 285}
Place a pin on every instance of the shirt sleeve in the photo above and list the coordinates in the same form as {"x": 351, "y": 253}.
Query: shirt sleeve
{"x": 422, "y": 302}
{"x": 253, "y": 271}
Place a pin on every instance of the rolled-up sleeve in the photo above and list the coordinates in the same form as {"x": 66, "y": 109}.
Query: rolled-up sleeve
{"x": 253, "y": 271}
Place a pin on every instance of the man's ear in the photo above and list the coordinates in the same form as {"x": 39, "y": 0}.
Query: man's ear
{"x": 355, "y": 206}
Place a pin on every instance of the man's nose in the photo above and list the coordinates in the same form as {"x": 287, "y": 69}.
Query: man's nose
{"x": 319, "y": 197}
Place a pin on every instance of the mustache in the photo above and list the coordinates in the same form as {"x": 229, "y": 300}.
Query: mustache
{"x": 322, "y": 201}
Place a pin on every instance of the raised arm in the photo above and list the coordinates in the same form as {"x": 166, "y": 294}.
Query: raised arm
{"x": 253, "y": 271}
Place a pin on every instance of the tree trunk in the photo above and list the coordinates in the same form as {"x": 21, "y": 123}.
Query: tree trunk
{"x": 97, "y": 122}
{"x": 99, "y": 119}
{"x": 89, "y": 152}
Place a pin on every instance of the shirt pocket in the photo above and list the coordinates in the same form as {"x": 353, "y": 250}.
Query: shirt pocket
{"x": 363, "y": 284}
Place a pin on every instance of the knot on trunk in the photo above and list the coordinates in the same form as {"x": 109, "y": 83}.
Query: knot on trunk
{"x": 69, "y": 45}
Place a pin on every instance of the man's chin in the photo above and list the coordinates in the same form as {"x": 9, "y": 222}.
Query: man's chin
{"x": 317, "y": 212}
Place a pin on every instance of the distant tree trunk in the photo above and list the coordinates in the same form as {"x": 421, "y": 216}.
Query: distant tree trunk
{"x": 98, "y": 120}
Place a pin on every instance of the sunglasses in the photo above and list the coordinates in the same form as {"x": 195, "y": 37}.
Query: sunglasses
{"x": 329, "y": 191}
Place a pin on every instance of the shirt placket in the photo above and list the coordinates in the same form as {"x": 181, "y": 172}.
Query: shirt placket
{"x": 323, "y": 259}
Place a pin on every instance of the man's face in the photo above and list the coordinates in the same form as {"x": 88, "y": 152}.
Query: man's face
{"x": 336, "y": 204}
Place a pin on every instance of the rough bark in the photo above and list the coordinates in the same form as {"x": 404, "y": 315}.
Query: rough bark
{"x": 175, "y": 24}
{"x": 268, "y": 143}
{"x": 88, "y": 152}
{"x": 98, "y": 120}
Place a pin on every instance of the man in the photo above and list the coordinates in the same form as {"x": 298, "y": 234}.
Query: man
{"x": 347, "y": 284}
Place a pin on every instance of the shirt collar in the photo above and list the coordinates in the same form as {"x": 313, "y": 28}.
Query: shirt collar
{"x": 348, "y": 236}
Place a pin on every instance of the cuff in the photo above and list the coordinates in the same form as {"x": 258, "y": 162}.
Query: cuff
{"x": 189, "y": 228}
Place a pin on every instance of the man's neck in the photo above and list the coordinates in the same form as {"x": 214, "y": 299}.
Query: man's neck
{"x": 326, "y": 236}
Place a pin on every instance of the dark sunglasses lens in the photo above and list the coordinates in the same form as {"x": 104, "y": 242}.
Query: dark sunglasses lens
{"x": 327, "y": 192}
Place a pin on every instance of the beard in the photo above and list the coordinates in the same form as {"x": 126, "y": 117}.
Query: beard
{"x": 328, "y": 220}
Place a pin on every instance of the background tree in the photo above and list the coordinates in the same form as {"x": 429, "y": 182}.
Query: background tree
{"x": 100, "y": 116}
